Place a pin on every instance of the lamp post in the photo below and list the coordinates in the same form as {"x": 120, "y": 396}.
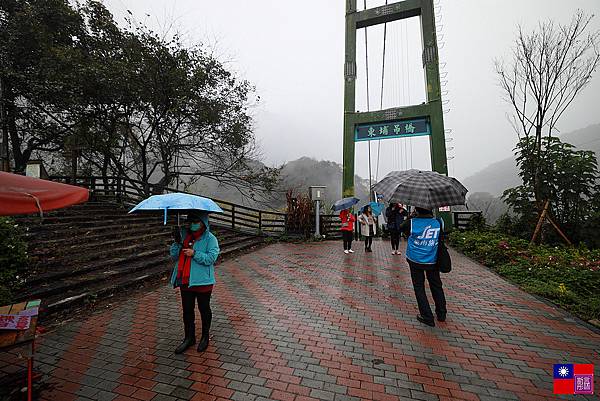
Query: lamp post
{"x": 317, "y": 193}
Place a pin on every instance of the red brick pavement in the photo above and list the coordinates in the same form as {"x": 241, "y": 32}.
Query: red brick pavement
{"x": 307, "y": 322}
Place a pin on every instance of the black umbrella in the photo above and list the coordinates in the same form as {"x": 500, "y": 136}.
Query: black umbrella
{"x": 426, "y": 189}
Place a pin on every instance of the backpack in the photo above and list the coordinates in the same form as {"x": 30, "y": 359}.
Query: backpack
{"x": 444, "y": 263}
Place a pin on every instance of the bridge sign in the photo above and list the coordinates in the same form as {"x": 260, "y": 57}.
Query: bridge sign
{"x": 392, "y": 129}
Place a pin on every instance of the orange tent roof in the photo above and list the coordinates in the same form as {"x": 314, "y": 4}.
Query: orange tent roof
{"x": 26, "y": 195}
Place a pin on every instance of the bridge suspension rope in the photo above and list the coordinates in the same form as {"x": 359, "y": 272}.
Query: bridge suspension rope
{"x": 382, "y": 86}
{"x": 368, "y": 102}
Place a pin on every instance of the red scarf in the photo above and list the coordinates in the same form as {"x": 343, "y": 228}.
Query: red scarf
{"x": 185, "y": 262}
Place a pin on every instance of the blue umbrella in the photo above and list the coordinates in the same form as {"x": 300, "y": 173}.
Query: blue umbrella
{"x": 177, "y": 201}
{"x": 377, "y": 208}
{"x": 345, "y": 203}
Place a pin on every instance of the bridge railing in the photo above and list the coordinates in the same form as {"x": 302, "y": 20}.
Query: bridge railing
{"x": 462, "y": 218}
{"x": 234, "y": 216}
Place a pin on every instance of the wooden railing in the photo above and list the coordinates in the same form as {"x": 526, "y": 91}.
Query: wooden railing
{"x": 462, "y": 218}
{"x": 234, "y": 216}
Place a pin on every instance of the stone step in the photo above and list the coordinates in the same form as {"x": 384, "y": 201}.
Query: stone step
{"x": 104, "y": 288}
{"x": 86, "y": 216}
{"x": 69, "y": 229}
{"x": 63, "y": 260}
{"x": 89, "y": 241}
{"x": 99, "y": 235}
{"x": 61, "y": 271}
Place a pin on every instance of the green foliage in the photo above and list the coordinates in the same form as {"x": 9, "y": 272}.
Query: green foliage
{"x": 13, "y": 259}
{"x": 568, "y": 178}
{"x": 300, "y": 213}
{"x": 123, "y": 101}
{"x": 569, "y": 277}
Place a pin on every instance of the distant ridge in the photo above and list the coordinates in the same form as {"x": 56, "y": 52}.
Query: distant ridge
{"x": 503, "y": 174}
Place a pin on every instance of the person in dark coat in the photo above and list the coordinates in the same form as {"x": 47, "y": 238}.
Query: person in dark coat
{"x": 423, "y": 233}
{"x": 395, "y": 215}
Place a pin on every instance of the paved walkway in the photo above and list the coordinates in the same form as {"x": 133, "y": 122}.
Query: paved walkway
{"x": 306, "y": 322}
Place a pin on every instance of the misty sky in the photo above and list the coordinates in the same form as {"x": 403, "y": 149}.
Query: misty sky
{"x": 293, "y": 51}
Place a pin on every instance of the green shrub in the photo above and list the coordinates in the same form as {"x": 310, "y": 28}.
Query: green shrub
{"x": 569, "y": 277}
{"x": 13, "y": 259}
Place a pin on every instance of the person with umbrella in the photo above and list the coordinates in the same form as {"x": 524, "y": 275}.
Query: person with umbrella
{"x": 368, "y": 226}
{"x": 425, "y": 190}
{"x": 196, "y": 249}
{"x": 423, "y": 233}
{"x": 347, "y": 217}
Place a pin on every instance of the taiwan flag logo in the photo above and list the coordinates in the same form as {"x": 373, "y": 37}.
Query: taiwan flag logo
{"x": 572, "y": 378}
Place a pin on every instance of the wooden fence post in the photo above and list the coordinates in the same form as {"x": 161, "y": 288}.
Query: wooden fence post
{"x": 233, "y": 216}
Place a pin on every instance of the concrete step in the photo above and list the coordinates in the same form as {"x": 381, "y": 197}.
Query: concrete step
{"x": 64, "y": 260}
{"x": 64, "y": 246}
{"x": 70, "y": 229}
{"x": 59, "y": 271}
{"x": 85, "y": 216}
{"x": 78, "y": 295}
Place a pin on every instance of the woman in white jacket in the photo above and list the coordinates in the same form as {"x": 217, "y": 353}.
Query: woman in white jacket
{"x": 368, "y": 227}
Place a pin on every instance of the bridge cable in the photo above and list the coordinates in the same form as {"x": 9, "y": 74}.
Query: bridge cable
{"x": 409, "y": 97}
{"x": 381, "y": 97}
{"x": 368, "y": 103}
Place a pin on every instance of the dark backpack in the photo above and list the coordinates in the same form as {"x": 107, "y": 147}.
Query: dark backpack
{"x": 444, "y": 263}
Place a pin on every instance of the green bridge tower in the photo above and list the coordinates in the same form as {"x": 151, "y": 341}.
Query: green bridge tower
{"x": 423, "y": 119}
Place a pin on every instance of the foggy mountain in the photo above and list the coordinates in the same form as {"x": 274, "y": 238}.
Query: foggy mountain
{"x": 304, "y": 172}
{"x": 502, "y": 175}
{"x": 485, "y": 186}
{"x": 297, "y": 175}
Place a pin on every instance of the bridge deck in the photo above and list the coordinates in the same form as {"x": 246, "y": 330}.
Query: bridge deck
{"x": 306, "y": 322}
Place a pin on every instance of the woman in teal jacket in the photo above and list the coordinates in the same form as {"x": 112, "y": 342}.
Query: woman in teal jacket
{"x": 196, "y": 249}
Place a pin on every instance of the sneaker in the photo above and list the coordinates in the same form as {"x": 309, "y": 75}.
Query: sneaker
{"x": 351, "y": 251}
{"x": 398, "y": 253}
{"x": 346, "y": 252}
{"x": 393, "y": 252}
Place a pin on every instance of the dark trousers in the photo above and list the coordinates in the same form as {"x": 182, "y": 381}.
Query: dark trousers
{"x": 188, "y": 301}
{"x": 368, "y": 242}
{"x": 347, "y": 237}
{"x": 417, "y": 275}
{"x": 395, "y": 239}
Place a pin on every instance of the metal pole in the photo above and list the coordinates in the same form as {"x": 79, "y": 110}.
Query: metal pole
{"x": 317, "y": 213}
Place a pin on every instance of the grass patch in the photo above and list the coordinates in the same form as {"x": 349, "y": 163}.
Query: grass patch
{"x": 567, "y": 276}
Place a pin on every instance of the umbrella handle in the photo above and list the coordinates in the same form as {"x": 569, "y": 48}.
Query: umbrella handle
{"x": 165, "y": 219}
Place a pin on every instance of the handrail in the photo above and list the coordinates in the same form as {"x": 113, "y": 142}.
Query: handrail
{"x": 128, "y": 190}
{"x": 238, "y": 217}
{"x": 461, "y": 222}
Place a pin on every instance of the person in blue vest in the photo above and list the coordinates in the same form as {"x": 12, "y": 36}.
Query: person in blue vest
{"x": 196, "y": 250}
{"x": 423, "y": 233}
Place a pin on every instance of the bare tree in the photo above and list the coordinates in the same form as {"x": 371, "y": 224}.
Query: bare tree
{"x": 550, "y": 67}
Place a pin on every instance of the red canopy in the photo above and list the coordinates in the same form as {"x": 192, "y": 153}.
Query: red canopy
{"x": 27, "y": 195}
